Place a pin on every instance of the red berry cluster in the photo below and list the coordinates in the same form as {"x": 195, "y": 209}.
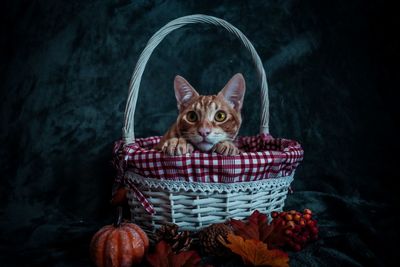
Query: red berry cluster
{"x": 298, "y": 228}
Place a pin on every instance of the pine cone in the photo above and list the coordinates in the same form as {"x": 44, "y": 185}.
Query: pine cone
{"x": 208, "y": 238}
{"x": 167, "y": 232}
{"x": 179, "y": 241}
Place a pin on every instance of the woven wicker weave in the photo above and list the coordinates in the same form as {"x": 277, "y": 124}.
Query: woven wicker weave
{"x": 196, "y": 205}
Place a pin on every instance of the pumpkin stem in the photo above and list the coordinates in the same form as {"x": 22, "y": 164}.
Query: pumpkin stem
{"x": 118, "y": 218}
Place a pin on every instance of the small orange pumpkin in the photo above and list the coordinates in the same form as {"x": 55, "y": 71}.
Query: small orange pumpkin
{"x": 119, "y": 245}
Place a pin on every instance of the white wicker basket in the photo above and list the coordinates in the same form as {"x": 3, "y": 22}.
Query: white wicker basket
{"x": 196, "y": 205}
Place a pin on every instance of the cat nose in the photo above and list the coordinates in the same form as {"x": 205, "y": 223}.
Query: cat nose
{"x": 204, "y": 131}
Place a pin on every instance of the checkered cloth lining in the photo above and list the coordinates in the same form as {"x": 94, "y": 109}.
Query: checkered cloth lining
{"x": 264, "y": 157}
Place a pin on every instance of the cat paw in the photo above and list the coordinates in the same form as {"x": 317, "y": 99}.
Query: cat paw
{"x": 177, "y": 147}
{"x": 226, "y": 148}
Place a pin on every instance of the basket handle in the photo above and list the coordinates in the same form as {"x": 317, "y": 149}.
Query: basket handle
{"x": 129, "y": 128}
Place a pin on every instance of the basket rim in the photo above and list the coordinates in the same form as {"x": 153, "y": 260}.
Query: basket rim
{"x": 145, "y": 144}
{"x": 181, "y": 185}
{"x": 279, "y": 157}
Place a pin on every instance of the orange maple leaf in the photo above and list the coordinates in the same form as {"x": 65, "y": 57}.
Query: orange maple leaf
{"x": 163, "y": 256}
{"x": 255, "y": 252}
{"x": 256, "y": 227}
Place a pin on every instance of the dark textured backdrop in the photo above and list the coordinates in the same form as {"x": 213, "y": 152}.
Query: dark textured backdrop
{"x": 65, "y": 68}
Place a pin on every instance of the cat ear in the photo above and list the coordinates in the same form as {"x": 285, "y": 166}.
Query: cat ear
{"x": 233, "y": 91}
{"x": 184, "y": 92}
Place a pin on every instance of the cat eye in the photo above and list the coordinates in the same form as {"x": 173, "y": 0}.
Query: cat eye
{"x": 191, "y": 116}
{"x": 220, "y": 116}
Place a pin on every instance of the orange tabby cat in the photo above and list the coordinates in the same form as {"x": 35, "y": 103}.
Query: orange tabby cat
{"x": 209, "y": 123}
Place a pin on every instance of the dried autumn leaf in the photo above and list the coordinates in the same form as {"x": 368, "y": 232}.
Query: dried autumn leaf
{"x": 257, "y": 227}
{"x": 119, "y": 197}
{"x": 255, "y": 252}
{"x": 163, "y": 256}
{"x": 276, "y": 237}
{"x": 158, "y": 258}
{"x": 185, "y": 259}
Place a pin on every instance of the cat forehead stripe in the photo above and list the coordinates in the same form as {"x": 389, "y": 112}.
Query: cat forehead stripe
{"x": 197, "y": 106}
{"x": 205, "y": 102}
{"x": 214, "y": 106}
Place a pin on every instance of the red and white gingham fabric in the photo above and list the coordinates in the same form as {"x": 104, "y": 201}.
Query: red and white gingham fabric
{"x": 263, "y": 157}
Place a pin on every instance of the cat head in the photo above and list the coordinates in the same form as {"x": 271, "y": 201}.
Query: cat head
{"x": 207, "y": 120}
